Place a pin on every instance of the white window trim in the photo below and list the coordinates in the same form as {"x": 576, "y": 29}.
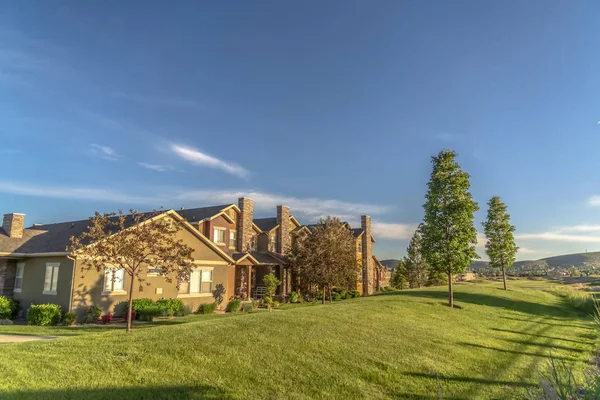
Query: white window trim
{"x": 113, "y": 292}
{"x": 220, "y": 228}
{"x": 22, "y": 265}
{"x": 52, "y": 292}
{"x": 188, "y": 295}
{"x": 232, "y": 246}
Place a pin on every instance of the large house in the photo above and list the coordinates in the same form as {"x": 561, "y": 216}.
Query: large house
{"x": 230, "y": 247}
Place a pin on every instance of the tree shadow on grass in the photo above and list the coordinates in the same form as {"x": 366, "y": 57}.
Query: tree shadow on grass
{"x": 543, "y": 336}
{"x": 562, "y": 325}
{"x": 468, "y": 379}
{"x": 490, "y": 301}
{"x": 546, "y": 345}
{"x": 138, "y": 392}
{"x": 524, "y": 353}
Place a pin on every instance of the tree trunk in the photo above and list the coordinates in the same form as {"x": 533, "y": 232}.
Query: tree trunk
{"x": 324, "y": 294}
{"x": 330, "y": 299}
{"x": 450, "y": 291}
{"x": 504, "y": 277}
{"x": 130, "y": 304}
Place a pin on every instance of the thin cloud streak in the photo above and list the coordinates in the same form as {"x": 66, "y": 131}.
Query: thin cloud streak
{"x": 104, "y": 152}
{"x": 196, "y": 157}
{"x": 155, "y": 167}
{"x": 395, "y": 231}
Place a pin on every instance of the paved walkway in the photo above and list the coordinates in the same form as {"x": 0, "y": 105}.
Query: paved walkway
{"x": 23, "y": 338}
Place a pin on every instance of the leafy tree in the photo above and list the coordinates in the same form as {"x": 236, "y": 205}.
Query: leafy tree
{"x": 417, "y": 269}
{"x": 133, "y": 243}
{"x": 448, "y": 233}
{"x": 271, "y": 282}
{"x": 500, "y": 246}
{"x": 399, "y": 278}
{"x": 326, "y": 257}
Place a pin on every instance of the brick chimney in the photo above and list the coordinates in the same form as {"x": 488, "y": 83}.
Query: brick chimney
{"x": 13, "y": 224}
{"x": 244, "y": 225}
{"x": 367, "y": 255}
{"x": 284, "y": 242}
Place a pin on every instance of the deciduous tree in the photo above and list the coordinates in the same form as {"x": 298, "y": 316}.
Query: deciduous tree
{"x": 500, "y": 246}
{"x": 449, "y": 235}
{"x": 133, "y": 243}
{"x": 326, "y": 257}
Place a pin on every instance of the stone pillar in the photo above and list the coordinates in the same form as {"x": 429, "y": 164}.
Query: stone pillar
{"x": 367, "y": 255}
{"x": 13, "y": 224}
{"x": 244, "y": 225}
{"x": 283, "y": 219}
{"x": 249, "y": 282}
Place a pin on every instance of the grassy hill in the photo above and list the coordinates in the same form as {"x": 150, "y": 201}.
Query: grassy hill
{"x": 391, "y": 263}
{"x": 394, "y": 345}
{"x": 578, "y": 260}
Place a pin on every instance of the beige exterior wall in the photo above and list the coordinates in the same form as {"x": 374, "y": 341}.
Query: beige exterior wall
{"x": 34, "y": 273}
{"x": 89, "y": 285}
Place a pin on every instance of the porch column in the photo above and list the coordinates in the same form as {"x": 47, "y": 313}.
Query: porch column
{"x": 283, "y": 285}
{"x": 249, "y": 281}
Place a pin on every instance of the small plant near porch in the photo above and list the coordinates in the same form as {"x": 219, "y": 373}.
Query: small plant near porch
{"x": 132, "y": 244}
{"x": 271, "y": 282}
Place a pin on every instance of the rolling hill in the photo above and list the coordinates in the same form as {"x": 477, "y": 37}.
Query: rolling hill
{"x": 577, "y": 260}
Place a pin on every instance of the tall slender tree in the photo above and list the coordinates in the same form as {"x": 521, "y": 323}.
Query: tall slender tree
{"x": 500, "y": 246}
{"x": 448, "y": 234}
{"x": 416, "y": 266}
{"x": 399, "y": 276}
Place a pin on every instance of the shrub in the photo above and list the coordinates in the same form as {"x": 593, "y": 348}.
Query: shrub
{"x": 187, "y": 310}
{"x": 355, "y": 294}
{"x": 92, "y": 314}
{"x": 149, "y": 313}
{"x": 44, "y": 314}
{"x": 255, "y": 304}
{"x": 218, "y": 294}
{"x": 69, "y": 318}
{"x": 348, "y": 296}
{"x": 5, "y": 322}
{"x": 8, "y": 307}
{"x": 170, "y": 307}
{"x": 293, "y": 297}
{"x": 343, "y": 293}
{"x": 207, "y": 308}
{"x": 233, "y": 306}
{"x": 138, "y": 304}
{"x": 248, "y": 307}
{"x": 577, "y": 299}
{"x": 271, "y": 282}
{"x": 268, "y": 302}
{"x": 276, "y": 304}
{"x": 107, "y": 319}
{"x": 336, "y": 296}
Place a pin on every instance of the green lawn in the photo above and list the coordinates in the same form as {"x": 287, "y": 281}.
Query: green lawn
{"x": 395, "y": 345}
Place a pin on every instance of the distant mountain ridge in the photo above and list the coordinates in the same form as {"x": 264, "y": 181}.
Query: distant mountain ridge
{"x": 391, "y": 263}
{"x": 577, "y": 260}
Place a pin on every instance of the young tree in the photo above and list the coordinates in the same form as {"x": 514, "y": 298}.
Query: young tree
{"x": 416, "y": 266}
{"x": 326, "y": 257}
{"x": 133, "y": 243}
{"x": 448, "y": 234}
{"x": 399, "y": 277}
{"x": 500, "y": 247}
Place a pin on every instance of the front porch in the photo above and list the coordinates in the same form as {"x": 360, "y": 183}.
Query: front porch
{"x": 249, "y": 278}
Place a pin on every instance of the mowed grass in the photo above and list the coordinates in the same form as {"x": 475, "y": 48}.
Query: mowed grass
{"x": 395, "y": 345}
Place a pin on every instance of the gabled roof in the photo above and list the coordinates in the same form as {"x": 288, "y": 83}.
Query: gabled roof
{"x": 198, "y": 214}
{"x": 269, "y": 258}
{"x": 266, "y": 224}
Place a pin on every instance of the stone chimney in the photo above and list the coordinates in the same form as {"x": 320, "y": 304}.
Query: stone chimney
{"x": 284, "y": 241}
{"x": 13, "y": 224}
{"x": 367, "y": 255}
{"x": 244, "y": 225}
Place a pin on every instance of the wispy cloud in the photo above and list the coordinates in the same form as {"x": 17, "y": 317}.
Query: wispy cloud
{"x": 159, "y": 101}
{"x": 585, "y": 233}
{"x": 104, "y": 152}
{"x": 196, "y": 157}
{"x": 594, "y": 201}
{"x": 385, "y": 230}
{"x": 155, "y": 167}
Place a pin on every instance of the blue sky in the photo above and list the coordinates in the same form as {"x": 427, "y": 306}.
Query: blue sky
{"x": 330, "y": 107}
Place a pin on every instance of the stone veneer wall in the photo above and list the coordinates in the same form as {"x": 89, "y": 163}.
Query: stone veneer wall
{"x": 283, "y": 219}
{"x": 13, "y": 225}
{"x": 244, "y": 225}
{"x": 367, "y": 256}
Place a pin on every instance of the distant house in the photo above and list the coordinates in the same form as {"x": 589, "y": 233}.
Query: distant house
{"x": 230, "y": 247}
{"x": 467, "y": 276}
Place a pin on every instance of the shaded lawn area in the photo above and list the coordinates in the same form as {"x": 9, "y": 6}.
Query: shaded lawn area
{"x": 394, "y": 345}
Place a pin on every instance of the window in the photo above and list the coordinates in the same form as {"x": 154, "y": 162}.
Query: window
{"x": 51, "y": 278}
{"x": 359, "y": 246}
{"x": 219, "y": 235}
{"x": 201, "y": 281}
{"x": 232, "y": 240}
{"x": 19, "y": 277}
{"x": 114, "y": 280}
{"x": 253, "y": 243}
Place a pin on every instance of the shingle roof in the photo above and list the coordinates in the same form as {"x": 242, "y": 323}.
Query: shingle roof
{"x": 198, "y": 214}
{"x": 268, "y": 258}
{"x": 357, "y": 232}
{"x": 266, "y": 224}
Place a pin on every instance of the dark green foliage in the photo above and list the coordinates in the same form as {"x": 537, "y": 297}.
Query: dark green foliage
{"x": 218, "y": 294}
{"x": 207, "y": 308}
{"x": 336, "y": 296}
{"x": 343, "y": 293}
{"x": 355, "y": 294}
{"x": 399, "y": 278}
{"x": 44, "y": 314}
{"x": 276, "y": 304}
{"x": 91, "y": 314}
{"x": 448, "y": 233}
{"x": 268, "y": 302}
{"x": 248, "y": 307}
{"x": 293, "y": 297}
{"x": 69, "y": 318}
{"x": 148, "y": 313}
{"x": 139, "y": 304}
{"x": 170, "y": 307}
{"x": 8, "y": 307}
{"x": 234, "y": 306}
{"x": 500, "y": 246}
{"x": 416, "y": 269}
{"x": 187, "y": 310}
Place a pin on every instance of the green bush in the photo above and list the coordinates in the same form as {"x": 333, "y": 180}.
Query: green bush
{"x": 138, "y": 304}
{"x": 336, "y": 296}
{"x": 348, "y": 296}
{"x": 248, "y": 307}
{"x": 207, "y": 308}
{"x": 293, "y": 297}
{"x": 234, "y": 306}
{"x": 69, "y": 318}
{"x": 355, "y": 294}
{"x": 149, "y": 313}
{"x": 187, "y": 310}
{"x": 92, "y": 314}
{"x": 8, "y": 307}
{"x": 276, "y": 304}
{"x": 170, "y": 307}
{"x": 44, "y": 314}
{"x": 268, "y": 302}
{"x": 343, "y": 294}
{"x": 578, "y": 299}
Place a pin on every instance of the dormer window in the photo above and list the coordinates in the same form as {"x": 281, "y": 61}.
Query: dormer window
{"x": 219, "y": 235}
